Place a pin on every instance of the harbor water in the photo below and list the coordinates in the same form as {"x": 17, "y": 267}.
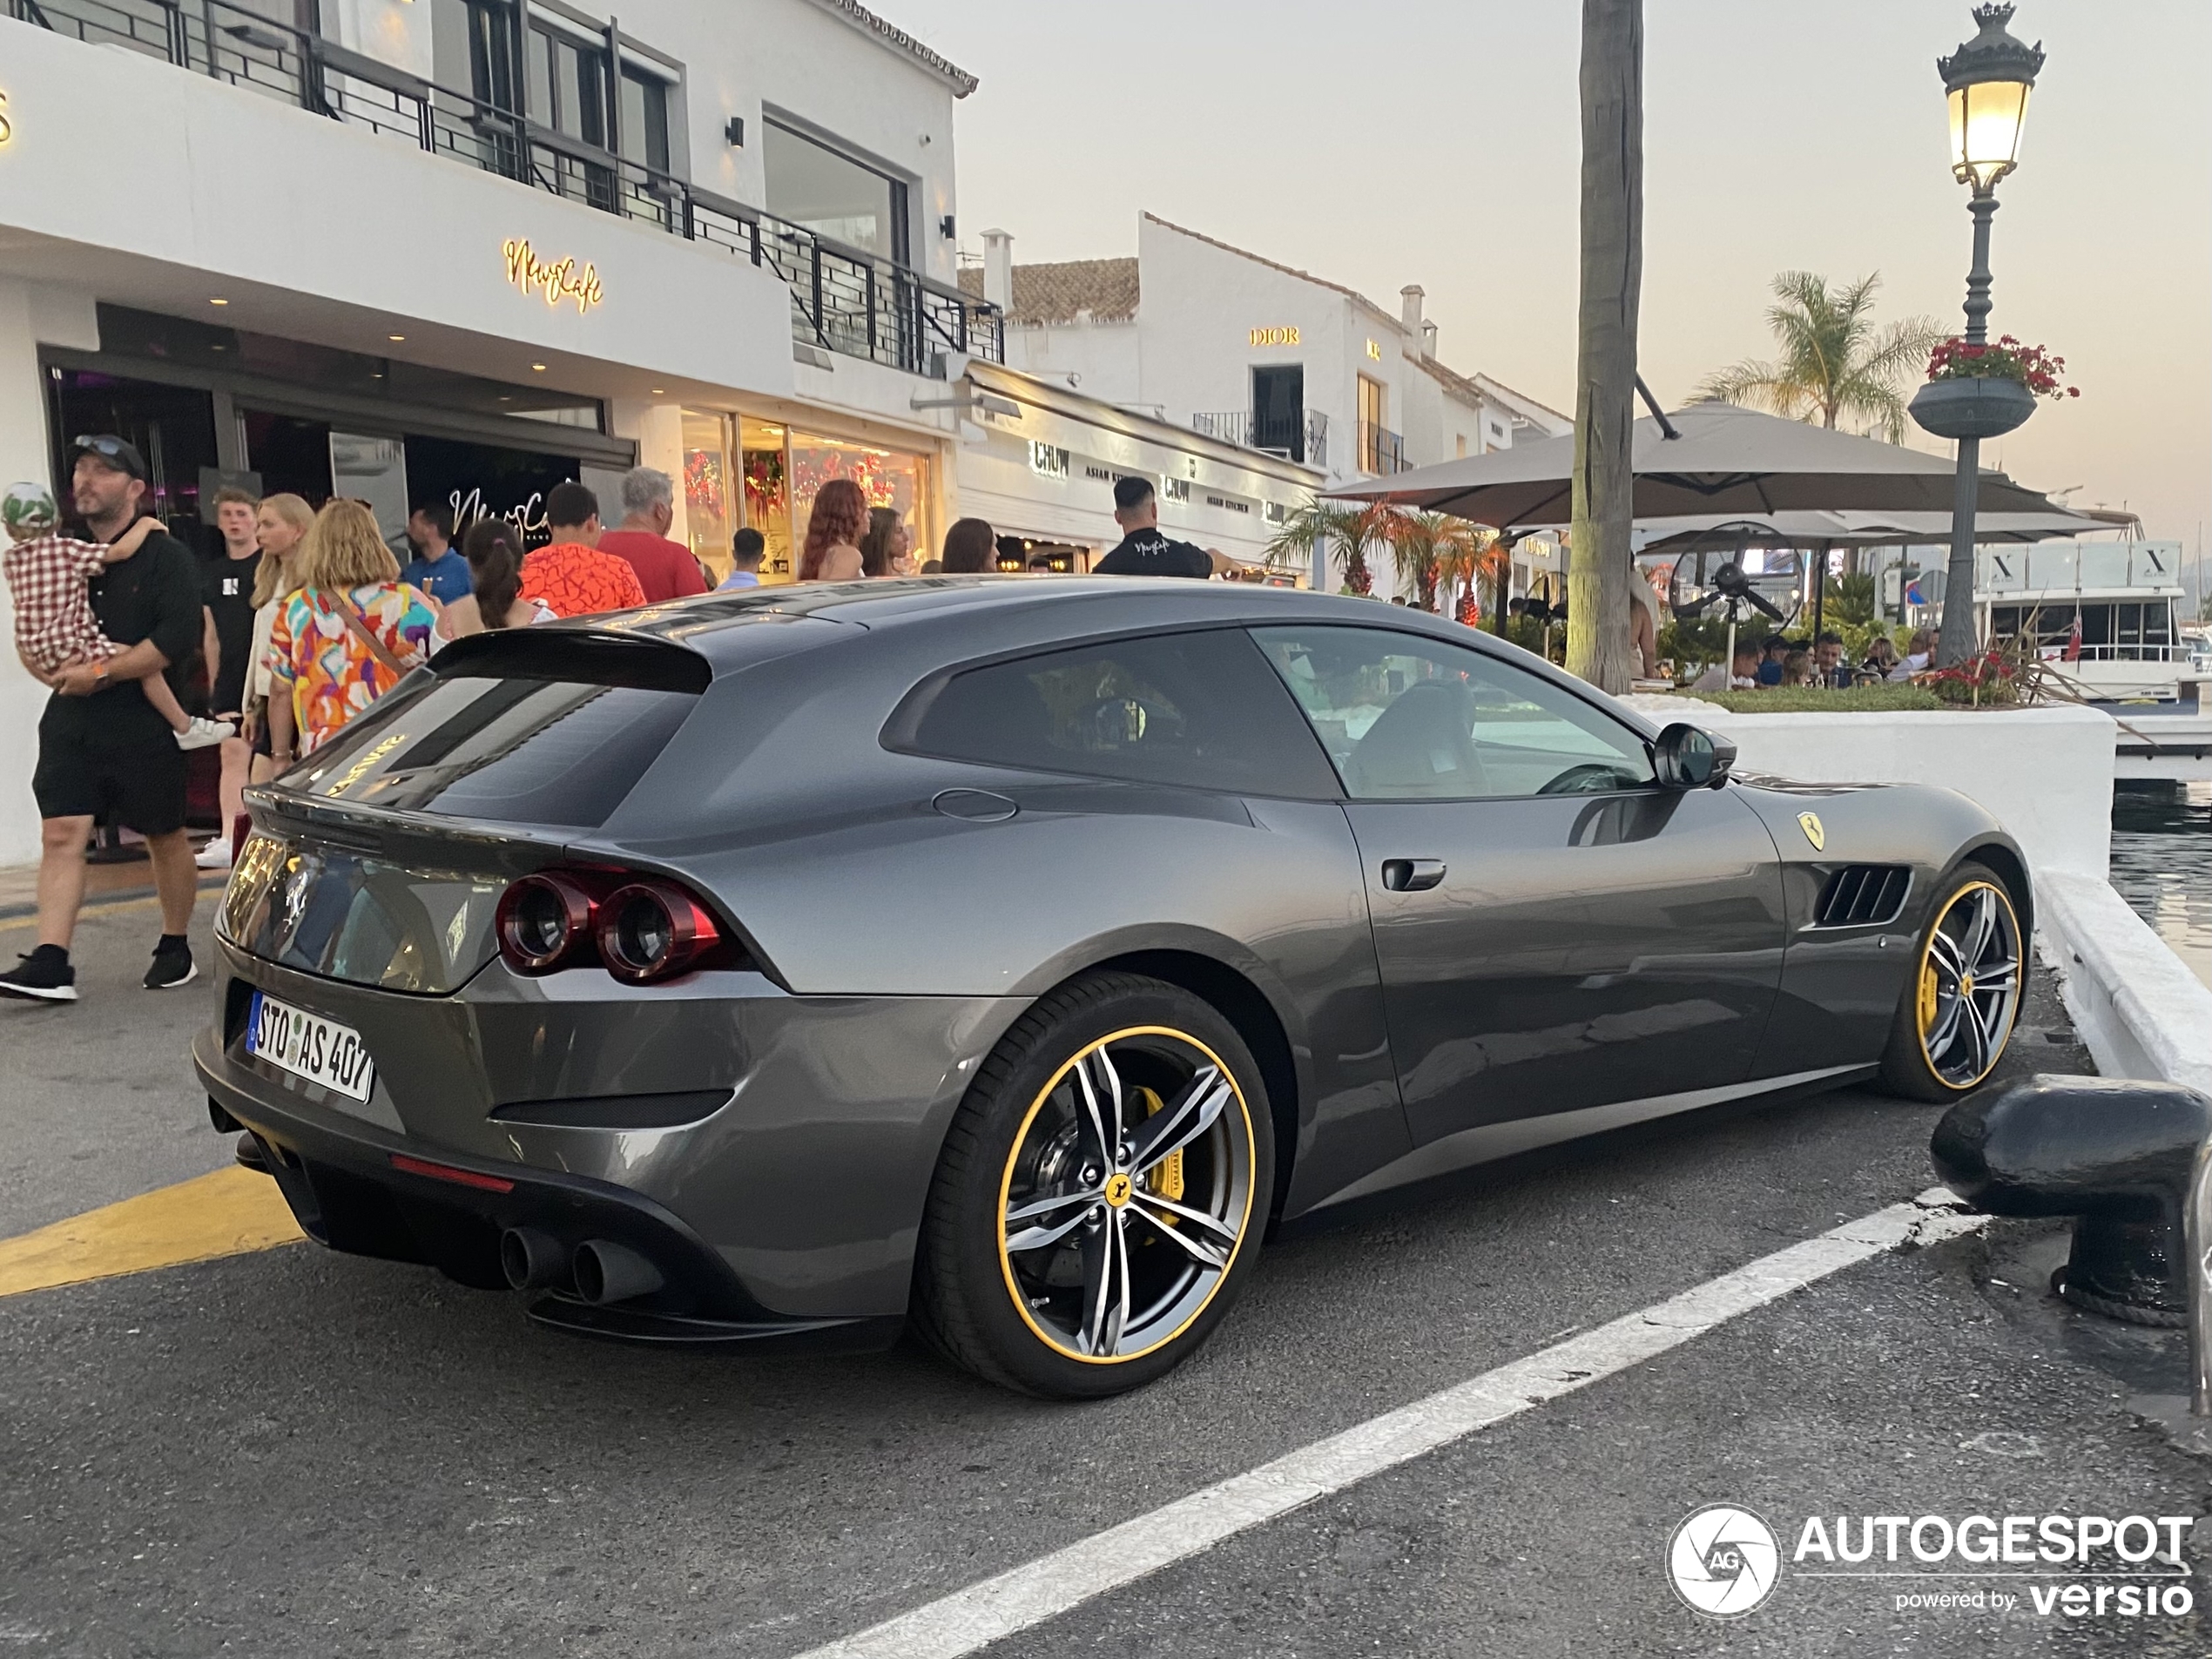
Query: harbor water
{"x": 2161, "y": 863}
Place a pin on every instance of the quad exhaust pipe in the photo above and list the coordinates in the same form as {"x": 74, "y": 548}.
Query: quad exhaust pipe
{"x": 610, "y": 1272}
{"x": 598, "y": 1269}
{"x": 533, "y": 1260}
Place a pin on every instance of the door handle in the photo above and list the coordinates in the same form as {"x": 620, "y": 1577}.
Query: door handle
{"x": 1412, "y": 875}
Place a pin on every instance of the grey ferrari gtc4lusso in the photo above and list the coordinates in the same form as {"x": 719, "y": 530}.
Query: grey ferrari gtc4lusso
{"x": 1008, "y": 955}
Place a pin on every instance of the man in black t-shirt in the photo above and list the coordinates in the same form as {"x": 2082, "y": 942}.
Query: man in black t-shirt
{"x": 102, "y": 747}
{"x": 227, "y": 589}
{"x": 1144, "y": 550}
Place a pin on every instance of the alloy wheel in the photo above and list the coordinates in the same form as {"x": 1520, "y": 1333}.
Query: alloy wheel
{"x": 1970, "y": 984}
{"x": 1126, "y": 1195}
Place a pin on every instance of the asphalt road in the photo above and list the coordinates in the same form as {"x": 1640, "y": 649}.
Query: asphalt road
{"x": 297, "y": 1453}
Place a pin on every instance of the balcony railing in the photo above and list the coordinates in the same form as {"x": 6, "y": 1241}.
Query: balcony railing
{"x": 1302, "y": 437}
{"x": 1381, "y": 451}
{"x": 843, "y": 299}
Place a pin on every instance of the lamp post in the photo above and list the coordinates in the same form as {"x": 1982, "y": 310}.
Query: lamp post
{"x": 1988, "y": 80}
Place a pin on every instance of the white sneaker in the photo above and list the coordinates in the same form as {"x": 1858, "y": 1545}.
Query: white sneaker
{"x": 216, "y": 855}
{"x": 201, "y": 731}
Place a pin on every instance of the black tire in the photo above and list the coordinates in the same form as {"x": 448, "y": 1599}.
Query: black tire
{"x": 1921, "y": 1063}
{"x": 1025, "y": 1139}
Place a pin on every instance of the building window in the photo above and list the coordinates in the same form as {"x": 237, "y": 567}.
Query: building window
{"x": 1279, "y": 410}
{"x": 1377, "y": 446}
{"x": 1463, "y": 443}
{"x": 828, "y": 193}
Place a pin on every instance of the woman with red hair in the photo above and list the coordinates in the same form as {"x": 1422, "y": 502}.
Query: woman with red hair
{"x": 832, "y": 552}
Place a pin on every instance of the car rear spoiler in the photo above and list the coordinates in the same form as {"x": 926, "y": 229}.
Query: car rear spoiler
{"x": 579, "y": 656}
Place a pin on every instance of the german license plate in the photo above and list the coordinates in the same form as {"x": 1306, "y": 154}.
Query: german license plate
{"x": 309, "y": 1047}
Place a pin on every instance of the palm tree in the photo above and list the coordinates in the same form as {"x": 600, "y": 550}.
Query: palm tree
{"x": 1836, "y": 363}
{"x": 1342, "y": 529}
{"x": 1605, "y": 363}
{"x": 1470, "y": 553}
{"x": 1434, "y": 552}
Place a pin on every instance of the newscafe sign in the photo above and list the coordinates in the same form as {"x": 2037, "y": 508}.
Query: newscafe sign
{"x": 1726, "y": 1561}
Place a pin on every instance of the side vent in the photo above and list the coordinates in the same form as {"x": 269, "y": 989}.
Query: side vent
{"x": 1862, "y": 894}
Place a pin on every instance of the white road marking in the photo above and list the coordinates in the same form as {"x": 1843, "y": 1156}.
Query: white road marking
{"x": 994, "y": 1608}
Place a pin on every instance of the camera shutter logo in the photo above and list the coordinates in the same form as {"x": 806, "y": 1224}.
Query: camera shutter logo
{"x": 1723, "y": 1561}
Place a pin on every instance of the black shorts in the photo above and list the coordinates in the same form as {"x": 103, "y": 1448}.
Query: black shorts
{"x": 140, "y": 786}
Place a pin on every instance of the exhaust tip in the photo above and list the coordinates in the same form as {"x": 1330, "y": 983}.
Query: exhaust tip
{"x": 532, "y": 1260}
{"x": 606, "y": 1271}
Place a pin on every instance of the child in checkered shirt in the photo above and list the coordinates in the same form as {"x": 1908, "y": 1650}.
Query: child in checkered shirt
{"x": 55, "y": 624}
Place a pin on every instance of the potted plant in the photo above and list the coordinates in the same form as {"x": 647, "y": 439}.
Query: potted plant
{"x": 1983, "y": 390}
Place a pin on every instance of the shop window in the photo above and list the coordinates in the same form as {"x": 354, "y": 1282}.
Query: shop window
{"x": 764, "y": 453}
{"x": 173, "y": 427}
{"x": 710, "y": 513}
{"x": 887, "y": 477}
{"x": 831, "y": 193}
{"x": 1197, "y": 710}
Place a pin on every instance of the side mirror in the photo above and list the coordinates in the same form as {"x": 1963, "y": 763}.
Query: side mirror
{"x": 1686, "y": 758}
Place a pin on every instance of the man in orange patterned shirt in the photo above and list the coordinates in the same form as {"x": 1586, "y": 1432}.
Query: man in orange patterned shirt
{"x": 570, "y": 574}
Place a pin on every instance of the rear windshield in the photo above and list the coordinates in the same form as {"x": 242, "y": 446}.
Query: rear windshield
{"x": 504, "y": 750}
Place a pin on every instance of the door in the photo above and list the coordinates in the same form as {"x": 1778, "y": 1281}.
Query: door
{"x": 1278, "y": 410}
{"x": 1553, "y": 930}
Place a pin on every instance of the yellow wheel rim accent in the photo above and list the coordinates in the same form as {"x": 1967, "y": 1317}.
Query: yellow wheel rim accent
{"x": 1924, "y": 1009}
{"x": 1243, "y": 1125}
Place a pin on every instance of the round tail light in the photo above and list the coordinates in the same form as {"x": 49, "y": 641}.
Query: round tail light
{"x": 653, "y": 930}
{"x": 542, "y": 921}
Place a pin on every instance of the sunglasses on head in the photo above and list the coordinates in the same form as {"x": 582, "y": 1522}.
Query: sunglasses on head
{"x": 101, "y": 444}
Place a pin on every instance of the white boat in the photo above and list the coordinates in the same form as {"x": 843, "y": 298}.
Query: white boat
{"x": 2121, "y": 593}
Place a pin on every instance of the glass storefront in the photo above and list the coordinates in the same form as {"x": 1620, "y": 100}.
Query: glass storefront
{"x": 772, "y": 485}
{"x": 274, "y": 416}
{"x": 709, "y": 511}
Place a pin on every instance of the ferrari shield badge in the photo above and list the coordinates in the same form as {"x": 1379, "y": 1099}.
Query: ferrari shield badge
{"x": 1809, "y": 823}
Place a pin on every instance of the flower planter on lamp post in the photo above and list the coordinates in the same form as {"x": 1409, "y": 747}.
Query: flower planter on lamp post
{"x": 1979, "y": 406}
{"x": 1987, "y": 82}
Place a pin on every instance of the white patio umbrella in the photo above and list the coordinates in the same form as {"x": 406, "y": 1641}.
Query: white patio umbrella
{"x": 1722, "y": 461}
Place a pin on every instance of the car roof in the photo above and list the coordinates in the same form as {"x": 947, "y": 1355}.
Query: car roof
{"x": 725, "y": 628}
{"x": 1053, "y": 601}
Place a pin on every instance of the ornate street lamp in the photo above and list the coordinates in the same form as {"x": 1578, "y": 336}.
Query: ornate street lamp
{"x": 1988, "y": 80}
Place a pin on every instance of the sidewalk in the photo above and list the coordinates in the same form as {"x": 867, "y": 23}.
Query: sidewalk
{"x": 104, "y": 885}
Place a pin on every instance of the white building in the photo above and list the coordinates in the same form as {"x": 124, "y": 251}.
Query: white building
{"x": 421, "y": 251}
{"x": 1208, "y": 336}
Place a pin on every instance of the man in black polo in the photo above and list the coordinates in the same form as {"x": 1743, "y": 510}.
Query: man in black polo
{"x": 102, "y": 747}
{"x": 1144, "y": 550}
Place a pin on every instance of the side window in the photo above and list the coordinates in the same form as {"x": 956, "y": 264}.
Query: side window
{"x": 1408, "y": 718}
{"x": 1199, "y": 710}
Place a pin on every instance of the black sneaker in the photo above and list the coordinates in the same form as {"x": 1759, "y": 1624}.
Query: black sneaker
{"x": 45, "y": 976}
{"x": 172, "y": 966}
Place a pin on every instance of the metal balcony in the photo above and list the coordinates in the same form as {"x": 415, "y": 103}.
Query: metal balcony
{"x": 1381, "y": 451}
{"x": 843, "y": 299}
{"x": 1302, "y": 438}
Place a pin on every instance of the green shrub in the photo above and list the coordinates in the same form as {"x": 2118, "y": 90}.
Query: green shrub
{"x": 1809, "y": 699}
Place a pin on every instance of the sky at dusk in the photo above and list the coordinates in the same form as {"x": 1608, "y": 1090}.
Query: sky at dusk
{"x": 1435, "y": 141}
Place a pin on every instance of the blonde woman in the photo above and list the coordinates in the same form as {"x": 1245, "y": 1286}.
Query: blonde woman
{"x": 347, "y": 637}
{"x": 281, "y": 523}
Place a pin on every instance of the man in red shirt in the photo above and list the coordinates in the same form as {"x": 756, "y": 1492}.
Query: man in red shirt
{"x": 569, "y": 575}
{"x": 665, "y": 569}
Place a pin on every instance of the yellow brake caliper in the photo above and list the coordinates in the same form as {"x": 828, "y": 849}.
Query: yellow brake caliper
{"x": 1166, "y": 1179}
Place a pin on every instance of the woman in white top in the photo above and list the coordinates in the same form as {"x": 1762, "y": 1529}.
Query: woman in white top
{"x": 280, "y": 524}
{"x": 495, "y": 556}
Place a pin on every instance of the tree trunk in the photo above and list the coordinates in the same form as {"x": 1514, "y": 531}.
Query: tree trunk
{"x": 1598, "y": 647}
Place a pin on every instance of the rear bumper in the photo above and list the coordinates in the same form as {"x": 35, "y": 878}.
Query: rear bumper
{"x": 797, "y": 1198}
{"x": 348, "y": 1191}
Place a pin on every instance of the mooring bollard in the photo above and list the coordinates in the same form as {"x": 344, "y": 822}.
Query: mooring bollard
{"x": 2132, "y": 1162}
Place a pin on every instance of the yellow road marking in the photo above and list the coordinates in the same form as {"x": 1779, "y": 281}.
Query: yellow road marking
{"x": 229, "y": 1213}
